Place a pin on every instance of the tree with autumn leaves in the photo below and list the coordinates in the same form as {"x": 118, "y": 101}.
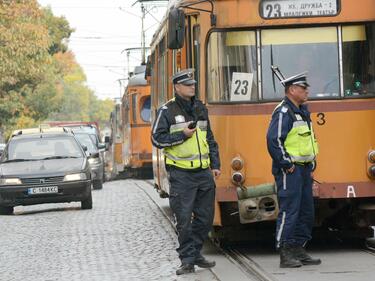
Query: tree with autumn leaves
{"x": 39, "y": 77}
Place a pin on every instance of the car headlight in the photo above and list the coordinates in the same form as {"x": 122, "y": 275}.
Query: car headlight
{"x": 10, "y": 181}
{"x": 75, "y": 177}
{"x": 94, "y": 161}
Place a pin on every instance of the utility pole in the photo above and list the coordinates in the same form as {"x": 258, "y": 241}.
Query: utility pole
{"x": 143, "y": 43}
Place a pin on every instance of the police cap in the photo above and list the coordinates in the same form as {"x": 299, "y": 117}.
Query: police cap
{"x": 184, "y": 77}
{"x": 298, "y": 79}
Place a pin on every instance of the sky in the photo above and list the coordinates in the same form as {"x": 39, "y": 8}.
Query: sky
{"x": 103, "y": 29}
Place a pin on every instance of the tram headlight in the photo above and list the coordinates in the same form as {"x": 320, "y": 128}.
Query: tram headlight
{"x": 237, "y": 163}
{"x": 371, "y": 171}
{"x": 237, "y": 178}
{"x": 371, "y": 156}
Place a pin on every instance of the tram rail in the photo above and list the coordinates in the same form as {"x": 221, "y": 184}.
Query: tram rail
{"x": 250, "y": 268}
{"x": 247, "y": 265}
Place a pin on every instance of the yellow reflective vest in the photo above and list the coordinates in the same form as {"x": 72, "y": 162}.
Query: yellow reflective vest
{"x": 193, "y": 153}
{"x": 300, "y": 142}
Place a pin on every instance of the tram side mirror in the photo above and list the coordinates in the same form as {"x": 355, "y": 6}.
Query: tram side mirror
{"x": 176, "y": 28}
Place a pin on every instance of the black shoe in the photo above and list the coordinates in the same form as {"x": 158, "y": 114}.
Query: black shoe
{"x": 300, "y": 254}
{"x": 287, "y": 259}
{"x": 185, "y": 268}
{"x": 203, "y": 263}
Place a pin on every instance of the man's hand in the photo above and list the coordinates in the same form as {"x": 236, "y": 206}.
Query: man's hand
{"x": 216, "y": 173}
{"x": 291, "y": 169}
{"x": 189, "y": 132}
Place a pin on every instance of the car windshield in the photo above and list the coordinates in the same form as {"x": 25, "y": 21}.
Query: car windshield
{"x": 43, "y": 148}
{"x": 90, "y": 131}
{"x": 86, "y": 140}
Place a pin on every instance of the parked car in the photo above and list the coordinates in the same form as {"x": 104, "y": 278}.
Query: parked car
{"x": 44, "y": 167}
{"x": 2, "y": 146}
{"x": 95, "y": 159}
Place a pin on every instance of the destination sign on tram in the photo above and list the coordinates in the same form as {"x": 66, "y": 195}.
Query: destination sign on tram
{"x": 298, "y": 8}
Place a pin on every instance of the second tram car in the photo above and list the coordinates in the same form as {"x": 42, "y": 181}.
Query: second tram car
{"x": 232, "y": 45}
{"x": 130, "y": 142}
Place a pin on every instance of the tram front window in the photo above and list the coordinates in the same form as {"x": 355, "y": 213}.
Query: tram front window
{"x": 301, "y": 49}
{"x": 232, "y": 69}
{"x": 359, "y": 60}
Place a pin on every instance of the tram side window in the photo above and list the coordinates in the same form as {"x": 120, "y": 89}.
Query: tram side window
{"x": 301, "y": 49}
{"x": 232, "y": 68}
{"x": 358, "y": 52}
{"x": 146, "y": 109}
{"x": 163, "y": 75}
{"x": 134, "y": 107}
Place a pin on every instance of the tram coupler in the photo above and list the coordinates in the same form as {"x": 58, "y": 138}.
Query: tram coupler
{"x": 257, "y": 203}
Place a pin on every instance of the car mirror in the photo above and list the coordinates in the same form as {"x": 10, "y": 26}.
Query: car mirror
{"x": 84, "y": 147}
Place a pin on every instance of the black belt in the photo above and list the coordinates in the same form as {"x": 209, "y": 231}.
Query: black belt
{"x": 171, "y": 167}
{"x": 302, "y": 164}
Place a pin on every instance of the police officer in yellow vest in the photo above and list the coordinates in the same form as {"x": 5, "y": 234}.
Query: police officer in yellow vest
{"x": 182, "y": 130}
{"x": 293, "y": 148}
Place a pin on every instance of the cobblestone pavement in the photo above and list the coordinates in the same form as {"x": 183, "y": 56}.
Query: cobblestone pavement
{"x": 124, "y": 237}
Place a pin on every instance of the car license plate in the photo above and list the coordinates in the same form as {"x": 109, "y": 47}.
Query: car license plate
{"x": 42, "y": 190}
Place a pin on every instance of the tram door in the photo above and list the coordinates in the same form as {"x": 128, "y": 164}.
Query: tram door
{"x": 187, "y": 57}
{"x": 161, "y": 98}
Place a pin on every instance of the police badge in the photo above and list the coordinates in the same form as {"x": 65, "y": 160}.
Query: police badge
{"x": 180, "y": 119}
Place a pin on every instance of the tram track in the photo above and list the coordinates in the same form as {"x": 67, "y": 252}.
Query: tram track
{"x": 259, "y": 263}
{"x": 247, "y": 265}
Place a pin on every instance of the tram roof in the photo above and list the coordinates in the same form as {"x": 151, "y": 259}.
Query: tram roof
{"x": 138, "y": 77}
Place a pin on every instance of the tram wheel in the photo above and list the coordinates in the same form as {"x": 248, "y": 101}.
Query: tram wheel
{"x": 6, "y": 210}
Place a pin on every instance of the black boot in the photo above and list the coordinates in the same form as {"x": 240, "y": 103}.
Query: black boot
{"x": 203, "y": 263}
{"x": 185, "y": 268}
{"x": 287, "y": 259}
{"x": 300, "y": 254}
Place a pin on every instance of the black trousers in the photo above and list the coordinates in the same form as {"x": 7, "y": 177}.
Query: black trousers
{"x": 296, "y": 215}
{"x": 191, "y": 198}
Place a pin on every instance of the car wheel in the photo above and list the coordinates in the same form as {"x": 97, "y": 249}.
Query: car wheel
{"x": 98, "y": 184}
{"x": 87, "y": 203}
{"x": 6, "y": 210}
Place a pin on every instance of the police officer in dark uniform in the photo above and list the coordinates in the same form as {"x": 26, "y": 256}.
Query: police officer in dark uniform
{"x": 293, "y": 148}
{"x": 182, "y": 130}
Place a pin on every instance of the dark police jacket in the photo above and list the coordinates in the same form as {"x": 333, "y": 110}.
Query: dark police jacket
{"x": 281, "y": 124}
{"x": 176, "y": 111}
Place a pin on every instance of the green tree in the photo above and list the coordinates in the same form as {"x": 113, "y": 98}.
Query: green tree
{"x": 30, "y": 38}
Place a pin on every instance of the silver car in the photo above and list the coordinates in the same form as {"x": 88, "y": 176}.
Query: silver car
{"x": 95, "y": 159}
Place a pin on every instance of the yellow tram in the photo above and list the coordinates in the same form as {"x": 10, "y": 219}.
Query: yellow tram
{"x": 130, "y": 144}
{"x": 232, "y": 45}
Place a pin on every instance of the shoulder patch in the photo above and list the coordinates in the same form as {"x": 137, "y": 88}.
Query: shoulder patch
{"x": 284, "y": 109}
